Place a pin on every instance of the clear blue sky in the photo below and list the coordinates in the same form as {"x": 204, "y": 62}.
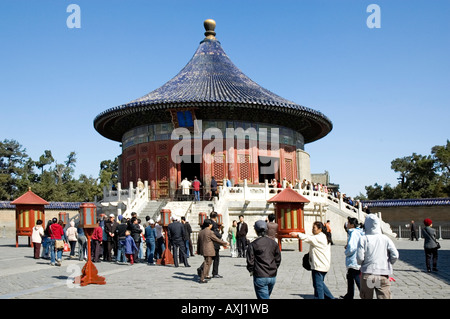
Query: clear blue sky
{"x": 386, "y": 90}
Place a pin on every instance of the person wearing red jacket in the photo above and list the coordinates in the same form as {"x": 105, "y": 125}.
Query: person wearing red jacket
{"x": 56, "y": 232}
{"x": 196, "y": 185}
{"x": 97, "y": 239}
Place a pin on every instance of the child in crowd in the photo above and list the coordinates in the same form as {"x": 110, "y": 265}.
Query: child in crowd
{"x": 36, "y": 237}
{"x": 130, "y": 247}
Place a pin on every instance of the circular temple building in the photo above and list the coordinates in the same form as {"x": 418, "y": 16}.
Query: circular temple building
{"x": 211, "y": 120}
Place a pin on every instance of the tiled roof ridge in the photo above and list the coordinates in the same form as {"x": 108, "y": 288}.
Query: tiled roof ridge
{"x": 51, "y": 205}
{"x": 407, "y": 202}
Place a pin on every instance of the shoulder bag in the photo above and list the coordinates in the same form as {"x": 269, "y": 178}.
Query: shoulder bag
{"x": 305, "y": 262}
{"x": 59, "y": 243}
{"x": 437, "y": 243}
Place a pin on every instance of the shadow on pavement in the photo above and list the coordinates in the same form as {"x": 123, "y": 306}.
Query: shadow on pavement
{"x": 183, "y": 276}
{"x": 416, "y": 258}
{"x": 303, "y": 296}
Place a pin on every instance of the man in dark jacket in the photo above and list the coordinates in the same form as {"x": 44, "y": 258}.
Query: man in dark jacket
{"x": 213, "y": 188}
{"x": 414, "y": 234}
{"x": 111, "y": 243}
{"x": 175, "y": 232}
{"x": 187, "y": 237}
{"x": 216, "y": 258}
{"x": 241, "y": 236}
{"x": 136, "y": 234}
{"x": 121, "y": 229}
{"x": 263, "y": 260}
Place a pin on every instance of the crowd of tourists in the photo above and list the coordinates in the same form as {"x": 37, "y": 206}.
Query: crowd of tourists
{"x": 125, "y": 241}
{"x": 369, "y": 254}
{"x": 310, "y": 188}
{"x": 194, "y": 190}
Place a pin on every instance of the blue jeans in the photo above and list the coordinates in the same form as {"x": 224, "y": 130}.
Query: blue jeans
{"x": 197, "y": 195}
{"x": 121, "y": 251}
{"x": 46, "y": 246}
{"x": 160, "y": 247}
{"x": 150, "y": 251}
{"x": 52, "y": 251}
{"x": 141, "y": 248}
{"x": 187, "y": 248}
{"x": 82, "y": 247}
{"x": 321, "y": 290}
{"x": 263, "y": 286}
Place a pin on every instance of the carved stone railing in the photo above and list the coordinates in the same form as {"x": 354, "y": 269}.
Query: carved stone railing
{"x": 250, "y": 192}
{"x": 320, "y": 201}
{"x": 134, "y": 198}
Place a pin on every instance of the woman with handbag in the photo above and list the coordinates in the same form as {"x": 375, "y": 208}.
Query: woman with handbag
{"x": 319, "y": 258}
{"x": 431, "y": 245}
{"x": 56, "y": 242}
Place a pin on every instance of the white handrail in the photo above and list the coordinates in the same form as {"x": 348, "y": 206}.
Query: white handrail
{"x": 140, "y": 198}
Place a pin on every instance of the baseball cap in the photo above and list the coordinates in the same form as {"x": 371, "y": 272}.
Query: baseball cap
{"x": 260, "y": 225}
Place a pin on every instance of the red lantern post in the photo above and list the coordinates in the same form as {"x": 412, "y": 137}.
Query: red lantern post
{"x": 167, "y": 257}
{"x": 289, "y": 213}
{"x": 201, "y": 218}
{"x": 64, "y": 217}
{"x": 88, "y": 220}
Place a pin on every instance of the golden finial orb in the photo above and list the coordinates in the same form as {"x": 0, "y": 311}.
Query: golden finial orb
{"x": 209, "y": 25}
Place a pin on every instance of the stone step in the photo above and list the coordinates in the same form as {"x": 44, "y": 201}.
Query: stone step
{"x": 151, "y": 209}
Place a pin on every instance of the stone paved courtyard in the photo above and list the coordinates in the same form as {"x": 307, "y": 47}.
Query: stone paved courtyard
{"x": 23, "y": 277}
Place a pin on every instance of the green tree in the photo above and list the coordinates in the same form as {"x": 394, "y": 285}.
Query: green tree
{"x": 44, "y": 160}
{"x": 403, "y": 166}
{"x": 420, "y": 176}
{"x": 48, "y": 188}
{"x": 374, "y": 192}
{"x": 86, "y": 189}
{"x": 14, "y": 163}
{"x": 109, "y": 174}
{"x": 49, "y": 179}
{"x": 442, "y": 156}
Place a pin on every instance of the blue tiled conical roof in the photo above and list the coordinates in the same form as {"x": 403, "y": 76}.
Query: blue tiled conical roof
{"x": 210, "y": 76}
{"x": 212, "y": 84}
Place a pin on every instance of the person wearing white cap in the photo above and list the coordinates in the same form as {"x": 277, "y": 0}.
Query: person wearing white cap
{"x": 175, "y": 231}
{"x": 150, "y": 240}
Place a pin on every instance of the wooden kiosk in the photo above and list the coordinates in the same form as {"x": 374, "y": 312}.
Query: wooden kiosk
{"x": 289, "y": 213}
{"x": 29, "y": 209}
